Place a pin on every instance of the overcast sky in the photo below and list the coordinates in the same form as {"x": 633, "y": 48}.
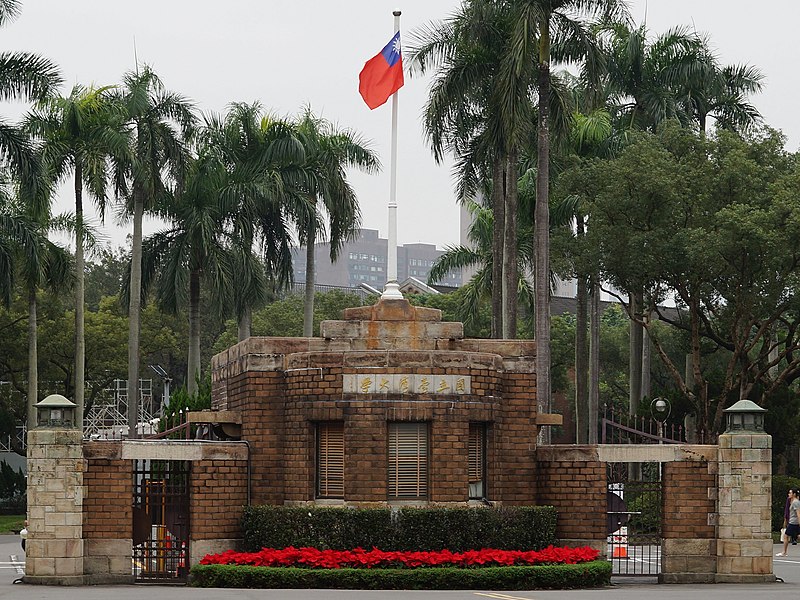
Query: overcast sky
{"x": 287, "y": 53}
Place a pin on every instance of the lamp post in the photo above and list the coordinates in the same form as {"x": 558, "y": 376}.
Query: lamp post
{"x": 660, "y": 408}
{"x": 159, "y": 370}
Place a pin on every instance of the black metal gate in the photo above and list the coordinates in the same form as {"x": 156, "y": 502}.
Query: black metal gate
{"x": 160, "y": 520}
{"x": 634, "y": 519}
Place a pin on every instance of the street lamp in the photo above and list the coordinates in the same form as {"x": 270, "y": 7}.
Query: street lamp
{"x": 660, "y": 408}
{"x": 159, "y": 370}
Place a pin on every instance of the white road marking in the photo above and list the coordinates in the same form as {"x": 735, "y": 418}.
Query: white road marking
{"x": 16, "y": 564}
{"x": 502, "y": 596}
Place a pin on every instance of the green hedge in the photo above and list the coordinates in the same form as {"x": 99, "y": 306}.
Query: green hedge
{"x": 780, "y": 485}
{"x": 456, "y": 529}
{"x": 585, "y": 575}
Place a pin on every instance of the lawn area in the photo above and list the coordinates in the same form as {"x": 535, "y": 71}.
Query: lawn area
{"x": 11, "y": 523}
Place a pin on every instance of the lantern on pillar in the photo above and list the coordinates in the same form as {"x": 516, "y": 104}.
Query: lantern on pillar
{"x": 55, "y": 411}
{"x": 744, "y": 416}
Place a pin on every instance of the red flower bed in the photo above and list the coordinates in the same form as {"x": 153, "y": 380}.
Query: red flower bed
{"x": 360, "y": 558}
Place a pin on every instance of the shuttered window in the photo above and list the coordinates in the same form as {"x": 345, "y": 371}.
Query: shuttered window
{"x": 408, "y": 460}
{"x": 476, "y": 449}
{"x": 330, "y": 460}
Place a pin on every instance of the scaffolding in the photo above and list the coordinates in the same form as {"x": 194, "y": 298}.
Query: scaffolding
{"x": 108, "y": 416}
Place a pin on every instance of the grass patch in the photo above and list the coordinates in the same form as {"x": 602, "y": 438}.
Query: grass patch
{"x": 585, "y": 575}
{"x": 11, "y": 524}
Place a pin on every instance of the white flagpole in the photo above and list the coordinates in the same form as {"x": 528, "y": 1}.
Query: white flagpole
{"x": 392, "y": 289}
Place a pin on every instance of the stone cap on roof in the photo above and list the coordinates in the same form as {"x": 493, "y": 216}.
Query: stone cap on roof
{"x": 392, "y": 310}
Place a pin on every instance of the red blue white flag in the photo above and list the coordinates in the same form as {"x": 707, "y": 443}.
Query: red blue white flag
{"x": 382, "y": 75}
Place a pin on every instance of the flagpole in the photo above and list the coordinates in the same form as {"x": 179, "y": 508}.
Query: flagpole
{"x": 392, "y": 290}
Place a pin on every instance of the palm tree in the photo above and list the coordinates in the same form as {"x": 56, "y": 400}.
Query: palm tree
{"x": 38, "y": 262}
{"x": 721, "y": 93}
{"x": 262, "y": 158}
{"x": 480, "y": 256}
{"x": 644, "y": 77}
{"x": 159, "y": 123}
{"x": 27, "y": 77}
{"x": 80, "y": 135}
{"x": 193, "y": 249}
{"x": 483, "y": 126}
{"x": 544, "y": 29}
{"x": 329, "y": 152}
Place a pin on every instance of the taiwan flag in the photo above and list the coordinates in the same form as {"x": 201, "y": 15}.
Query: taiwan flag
{"x": 382, "y": 75}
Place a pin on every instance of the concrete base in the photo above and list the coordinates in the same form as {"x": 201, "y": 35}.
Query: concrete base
{"x": 728, "y": 578}
{"x": 687, "y": 578}
{"x": 108, "y": 579}
{"x": 54, "y": 579}
{"x": 199, "y": 548}
{"x": 600, "y": 545}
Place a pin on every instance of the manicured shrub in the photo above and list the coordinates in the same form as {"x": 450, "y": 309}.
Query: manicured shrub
{"x": 584, "y": 575}
{"x": 456, "y": 529}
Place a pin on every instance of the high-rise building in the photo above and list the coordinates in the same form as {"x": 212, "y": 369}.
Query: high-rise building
{"x": 363, "y": 260}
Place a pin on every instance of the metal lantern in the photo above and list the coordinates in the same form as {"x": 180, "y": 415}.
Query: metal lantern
{"x": 55, "y": 411}
{"x": 744, "y": 416}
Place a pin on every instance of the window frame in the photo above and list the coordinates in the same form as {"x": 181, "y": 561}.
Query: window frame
{"x": 401, "y": 461}
{"x": 477, "y": 437}
{"x": 329, "y": 479}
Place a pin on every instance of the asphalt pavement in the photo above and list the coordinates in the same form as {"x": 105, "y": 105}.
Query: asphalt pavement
{"x": 12, "y": 561}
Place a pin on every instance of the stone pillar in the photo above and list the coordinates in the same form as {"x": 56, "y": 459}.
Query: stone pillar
{"x": 744, "y": 539}
{"x": 54, "y": 549}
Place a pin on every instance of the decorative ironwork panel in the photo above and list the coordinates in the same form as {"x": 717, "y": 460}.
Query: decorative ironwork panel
{"x": 161, "y": 520}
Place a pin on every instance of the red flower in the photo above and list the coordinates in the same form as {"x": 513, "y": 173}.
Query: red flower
{"x": 360, "y": 558}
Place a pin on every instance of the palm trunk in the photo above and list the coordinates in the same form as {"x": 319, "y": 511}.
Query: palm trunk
{"x": 635, "y": 343}
{"x": 193, "y": 361}
{"x": 498, "y": 212}
{"x": 80, "y": 342}
{"x": 308, "y": 300}
{"x": 134, "y": 314}
{"x": 594, "y": 361}
{"x": 581, "y": 351}
{"x": 542, "y": 232}
{"x": 510, "y": 270}
{"x": 245, "y": 323}
{"x": 646, "y": 360}
{"x": 33, "y": 359}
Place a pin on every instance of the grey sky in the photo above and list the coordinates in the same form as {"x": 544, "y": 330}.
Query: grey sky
{"x": 286, "y": 53}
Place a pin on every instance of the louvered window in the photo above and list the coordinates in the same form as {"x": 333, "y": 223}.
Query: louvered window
{"x": 330, "y": 460}
{"x": 477, "y": 460}
{"x": 408, "y": 460}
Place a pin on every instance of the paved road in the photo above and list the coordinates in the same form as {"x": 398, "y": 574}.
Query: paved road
{"x": 12, "y": 561}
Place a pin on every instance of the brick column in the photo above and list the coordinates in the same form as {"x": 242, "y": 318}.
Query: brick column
{"x": 689, "y": 547}
{"x": 744, "y": 540}
{"x": 54, "y": 549}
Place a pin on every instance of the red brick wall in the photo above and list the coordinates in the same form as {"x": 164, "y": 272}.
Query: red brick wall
{"x": 218, "y": 494}
{"x": 260, "y": 398}
{"x": 688, "y": 498}
{"x": 315, "y": 395}
{"x": 577, "y": 489}
{"x": 515, "y": 441}
{"x": 107, "y": 512}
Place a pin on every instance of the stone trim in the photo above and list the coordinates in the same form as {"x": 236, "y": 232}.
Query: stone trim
{"x": 617, "y": 453}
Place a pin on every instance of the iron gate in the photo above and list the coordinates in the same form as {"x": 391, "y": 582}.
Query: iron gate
{"x": 160, "y": 520}
{"x": 634, "y": 519}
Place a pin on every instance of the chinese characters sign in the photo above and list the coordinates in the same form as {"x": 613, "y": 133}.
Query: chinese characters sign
{"x": 401, "y": 383}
